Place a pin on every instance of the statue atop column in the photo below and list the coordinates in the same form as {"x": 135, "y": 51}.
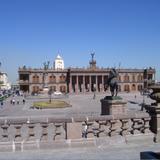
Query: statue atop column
{"x": 92, "y": 54}
{"x": 46, "y": 65}
{"x": 92, "y": 62}
{"x": 45, "y": 83}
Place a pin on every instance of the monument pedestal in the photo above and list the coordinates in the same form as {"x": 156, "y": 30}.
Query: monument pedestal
{"x": 113, "y": 105}
{"x": 154, "y": 111}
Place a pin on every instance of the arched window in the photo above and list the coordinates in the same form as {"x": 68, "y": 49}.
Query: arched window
{"x": 35, "y": 89}
{"x": 63, "y": 89}
{"x": 133, "y": 87}
{"x": 140, "y": 78}
{"x": 126, "y": 88}
{"x": 35, "y": 79}
{"x": 53, "y": 88}
{"x": 62, "y": 78}
{"x": 52, "y": 79}
{"x": 133, "y": 78}
{"x": 126, "y": 78}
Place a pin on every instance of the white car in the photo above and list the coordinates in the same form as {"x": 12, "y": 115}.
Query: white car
{"x": 57, "y": 93}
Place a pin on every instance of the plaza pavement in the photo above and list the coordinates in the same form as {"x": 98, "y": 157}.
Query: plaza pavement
{"x": 81, "y": 105}
{"x": 129, "y": 151}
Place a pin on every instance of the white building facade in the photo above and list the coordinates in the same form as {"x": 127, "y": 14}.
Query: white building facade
{"x": 4, "y": 84}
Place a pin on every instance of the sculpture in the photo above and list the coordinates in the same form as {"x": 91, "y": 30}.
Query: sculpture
{"x": 112, "y": 82}
{"x": 46, "y": 65}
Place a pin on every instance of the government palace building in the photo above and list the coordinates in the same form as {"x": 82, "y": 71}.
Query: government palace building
{"x": 81, "y": 80}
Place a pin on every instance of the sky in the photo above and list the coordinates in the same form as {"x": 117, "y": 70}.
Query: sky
{"x": 120, "y": 32}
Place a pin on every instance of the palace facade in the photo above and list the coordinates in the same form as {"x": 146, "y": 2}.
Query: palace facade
{"x": 81, "y": 80}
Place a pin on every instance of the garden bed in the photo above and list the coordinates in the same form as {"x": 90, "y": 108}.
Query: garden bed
{"x": 50, "y": 105}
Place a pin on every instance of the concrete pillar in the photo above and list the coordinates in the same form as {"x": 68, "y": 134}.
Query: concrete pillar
{"x": 74, "y": 130}
{"x": 154, "y": 112}
{"x": 83, "y": 89}
{"x": 70, "y": 85}
{"x": 76, "y": 87}
{"x": 90, "y": 83}
{"x": 96, "y": 79}
{"x": 109, "y": 106}
{"x": 102, "y": 83}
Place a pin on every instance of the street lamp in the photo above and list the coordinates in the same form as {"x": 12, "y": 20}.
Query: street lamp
{"x": 143, "y": 103}
{"x": 50, "y": 94}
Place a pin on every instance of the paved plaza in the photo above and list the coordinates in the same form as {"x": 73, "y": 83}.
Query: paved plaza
{"x": 80, "y": 105}
{"x": 130, "y": 151}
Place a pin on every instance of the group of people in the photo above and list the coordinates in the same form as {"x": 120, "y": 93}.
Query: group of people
{"x": 13, "y": 101}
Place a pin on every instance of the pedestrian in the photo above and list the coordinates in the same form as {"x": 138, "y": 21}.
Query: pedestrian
{"x": 13, "y": 102}
{"x": 84, "y": 132}
{"x": 142, "y": 106}
{"x": 1, "y": 103}
{"x": 24, "y": 101}
{"x": 94, "y": 95}
{"x": 17, "y": 101}
{"x": 94, "y": 92}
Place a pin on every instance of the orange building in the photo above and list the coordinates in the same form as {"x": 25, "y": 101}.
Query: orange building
{"x": 81, "y": 80}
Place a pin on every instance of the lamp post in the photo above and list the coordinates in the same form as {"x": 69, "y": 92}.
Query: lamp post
{"x": 50, "y": 95}
{"x": 143, "y": 102}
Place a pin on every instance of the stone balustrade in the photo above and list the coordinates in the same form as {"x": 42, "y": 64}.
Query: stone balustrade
{"x": 48, "y": 129}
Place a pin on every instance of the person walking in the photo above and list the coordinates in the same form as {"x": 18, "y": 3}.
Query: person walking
{"x": 84, "y": 132}
{"x": 13, "y": 101}
{"x": 24, "y": 101}
{"x": 1, "y": 104}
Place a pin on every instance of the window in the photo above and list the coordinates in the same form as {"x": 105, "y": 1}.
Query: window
{"x": 126, "y": 88}
{"x": 126, "y": 78}
{"x": 35, "y": 79}
{"x": 52, "y": 79}
{"x": 133, "y": 87}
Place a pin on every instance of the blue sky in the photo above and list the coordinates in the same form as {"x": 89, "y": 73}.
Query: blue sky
{"x": 118, "y": 31}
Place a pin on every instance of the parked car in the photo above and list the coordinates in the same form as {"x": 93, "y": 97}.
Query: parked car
{"x": 57, "y": 93}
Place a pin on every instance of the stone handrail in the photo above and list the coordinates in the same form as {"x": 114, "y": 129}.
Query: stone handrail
{"x": 29, "y": 129}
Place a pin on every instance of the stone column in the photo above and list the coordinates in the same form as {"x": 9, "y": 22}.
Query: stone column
{"x": 154, "y": 111}
{"x": 96, "y": 87}
{"x": 70, "y": 85}
{"x": 102, "y": 83}
{"x": 83, "y": 89}
{"x": 90, "y": 83}
{"x": 76, "y": 87}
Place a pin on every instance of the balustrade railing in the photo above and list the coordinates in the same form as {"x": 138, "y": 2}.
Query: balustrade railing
{"x": 49, "y": 129}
